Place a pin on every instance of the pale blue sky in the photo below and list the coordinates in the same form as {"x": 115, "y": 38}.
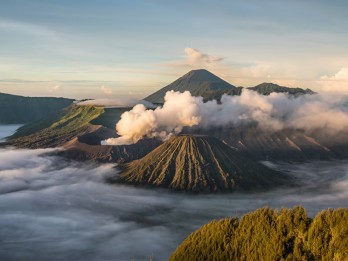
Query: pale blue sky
{"x": 73, "y": 48}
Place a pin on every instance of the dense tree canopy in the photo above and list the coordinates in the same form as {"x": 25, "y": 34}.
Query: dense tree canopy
{"x": 267, "y": 234}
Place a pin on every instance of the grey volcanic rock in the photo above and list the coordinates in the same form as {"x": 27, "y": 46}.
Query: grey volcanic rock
{"x": 199, "y": 164}
{"x": 87, "y": 148}
{"x": 198, "y": 82}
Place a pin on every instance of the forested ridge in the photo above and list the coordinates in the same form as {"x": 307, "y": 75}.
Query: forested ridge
{"x": 268, "y": 234}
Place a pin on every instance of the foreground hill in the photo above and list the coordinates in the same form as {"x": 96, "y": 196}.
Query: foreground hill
{"x": 16, "y": 109}
{"x": 266, "y": 234}
{"x": 199, "y": 164}
{"x": 198, "y": 82}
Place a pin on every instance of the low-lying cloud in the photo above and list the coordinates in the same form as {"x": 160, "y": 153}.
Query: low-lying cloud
{"x": 116, "y": 103}
{"x": 272, "y": 113}
{"x": 52, "y": 209}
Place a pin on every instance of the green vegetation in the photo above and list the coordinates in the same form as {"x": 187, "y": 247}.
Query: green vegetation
{"x": 267, "y": 234}
{"x": 200, "y": 164}
{"x": 110, "y": 117}
{"x": 57, "y": 129}
{"x": 18, "y": 109}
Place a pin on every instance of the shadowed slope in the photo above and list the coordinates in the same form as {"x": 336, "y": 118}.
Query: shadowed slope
{"x": 199, "y": 164}
{"x": 16, "y": 109}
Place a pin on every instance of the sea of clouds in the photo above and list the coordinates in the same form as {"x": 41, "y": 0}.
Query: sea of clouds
{"x": 54, "y": 209}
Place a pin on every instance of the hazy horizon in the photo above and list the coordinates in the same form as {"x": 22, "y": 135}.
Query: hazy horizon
{"x": 118, "y": 49}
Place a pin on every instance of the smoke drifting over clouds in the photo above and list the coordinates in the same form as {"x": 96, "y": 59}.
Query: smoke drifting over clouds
{"x": 57, "y": 210}
{"x": 274, "y": 112}
{"x": 117, "y": 103}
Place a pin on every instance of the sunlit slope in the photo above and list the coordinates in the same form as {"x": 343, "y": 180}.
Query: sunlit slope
{"x": 267, "y": 234}
{"x": 56, "y": 130}
{"x": 16, "y": 109}
{"x": 200, "y": 164}
{"x": 75, "y": 130}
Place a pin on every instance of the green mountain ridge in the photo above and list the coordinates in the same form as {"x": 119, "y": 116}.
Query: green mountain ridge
{"x": 56, "y": 130}
{"x": 16, "y": 109}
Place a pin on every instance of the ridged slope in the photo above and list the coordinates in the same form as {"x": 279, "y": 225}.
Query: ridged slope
{"x": 198, "y": 82}
{"x": 199, "y": 164}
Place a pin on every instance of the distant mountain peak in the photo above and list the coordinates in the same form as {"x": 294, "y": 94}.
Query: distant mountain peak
{"x": 197, "y": 82}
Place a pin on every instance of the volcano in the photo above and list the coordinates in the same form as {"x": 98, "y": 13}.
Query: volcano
{"x": 199, "y": 82}
{"x": 199, "y": 164}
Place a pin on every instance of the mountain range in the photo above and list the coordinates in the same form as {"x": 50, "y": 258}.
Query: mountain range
{"x": 209, "y": 86}
{"x": 80, "y": 129}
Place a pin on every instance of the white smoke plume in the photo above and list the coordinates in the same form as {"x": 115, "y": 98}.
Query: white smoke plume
{"x": 273, "y": 112}
{"x": 179, "y": 110}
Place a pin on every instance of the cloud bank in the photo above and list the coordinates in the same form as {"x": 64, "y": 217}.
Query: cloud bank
{"x": 116, "y": 103}
{"x": 274, "y": 112}
{"x": 52, "y": 209}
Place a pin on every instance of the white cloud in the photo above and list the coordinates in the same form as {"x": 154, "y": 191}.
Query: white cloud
{"x": 55, "y": 88}
{"x": 195, "y": 58}
{"x": 117, "y": 103}
{"x": 257, "y": 70}
{"x": 335, "y": 83}
{"x": 106, "y": 90}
